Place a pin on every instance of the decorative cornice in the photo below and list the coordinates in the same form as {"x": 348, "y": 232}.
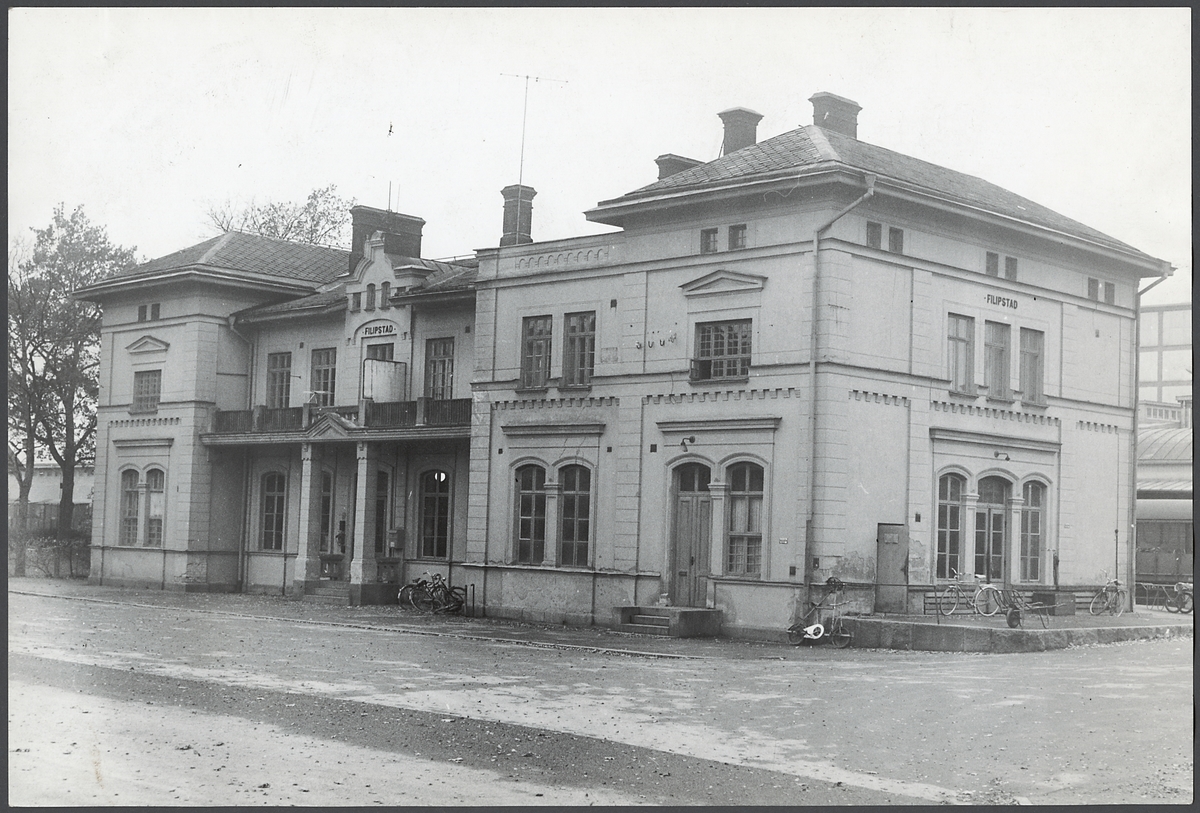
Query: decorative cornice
{"x": 994, "y": 413}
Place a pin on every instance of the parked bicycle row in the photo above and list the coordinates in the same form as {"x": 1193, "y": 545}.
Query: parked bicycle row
{"x": 431, "y": 594}
{"x": 972, "y": 595}
{"x": 1172, "y": 598}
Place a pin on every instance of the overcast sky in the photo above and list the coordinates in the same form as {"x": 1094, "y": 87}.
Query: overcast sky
{"x": 147, "y": 116}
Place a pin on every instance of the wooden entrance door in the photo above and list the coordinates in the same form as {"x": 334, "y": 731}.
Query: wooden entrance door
{"x": 690, "y": 536}
{"x": 991, "y": 528}
{"x": 891, "y": 568}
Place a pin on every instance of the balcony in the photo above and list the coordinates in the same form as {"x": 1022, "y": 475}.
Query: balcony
{"x": 423, "y": 412}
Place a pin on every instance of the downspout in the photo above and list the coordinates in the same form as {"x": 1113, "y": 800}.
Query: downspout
{"x": 245, "y": 529}
{"x": 1137, "y": 372}
{"x": 814, "y": 354}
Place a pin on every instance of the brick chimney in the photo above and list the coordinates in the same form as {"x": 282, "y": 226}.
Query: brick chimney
{"x": 741, "y": 128}
{"x": 835, "y": 113}
{"x": 670, "y": 164}
{"x": 401, "y": 233}
{"x": 518, "y": 214}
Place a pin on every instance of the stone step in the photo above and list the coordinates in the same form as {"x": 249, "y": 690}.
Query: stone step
{"x": 649, "y": 619}
{"x": 643, "y": 629}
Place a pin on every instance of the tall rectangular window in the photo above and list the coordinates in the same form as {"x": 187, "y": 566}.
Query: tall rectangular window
{"x": 531, "y": 515}
{"x": 722, "y": 350}
{"x": 996, "y": 369}
{"x": 130, "y": 507}
{"x": 435, "y": 514}
{"x": 382, "y": 514}
{"x": 743, "y": 553}
{"x": 961, "y": 353}
{"x": 279, "y": 380}
{"x": 535, "y": 351}
{"x": 324, "y": 376}
{"x": 874, "y": 235}
{"x": 576, "y": 515}
{"x": 141, "y": 313}
{"x": 1031, "y": 532}
{"x": 992, "y": 266}
{"x": 1033, "y": 344}
{"x": 737, "y": 236}
{"x": 949, "y": 525}
{"x": 708, "y": 241}
{"x": 274, "y": 494}
{"x": 156, "y": 506}
{"x": 1093, "y": 289}
{"x": 147, "y": 387}
{"x": 439, "y": 369}
{"x": 579, "y": 349}
{"x": 1010, "y": 268}
{"x": 154, "y": 311}
{"x": 896, "y": 240}
{"x": 1110, "y": 293}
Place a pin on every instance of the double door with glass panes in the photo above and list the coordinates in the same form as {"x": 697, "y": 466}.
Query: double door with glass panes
{"x": 991, "y": 528}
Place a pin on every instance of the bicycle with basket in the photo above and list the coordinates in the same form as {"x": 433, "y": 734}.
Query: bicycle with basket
{"x": 813, "y": 629}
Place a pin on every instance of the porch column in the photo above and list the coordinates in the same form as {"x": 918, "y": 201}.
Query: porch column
{"x": 362, "y": 566}
{"x": 308, "y": 557}
{"x": 718, "y": 492}
{"x": 1014, "y": 540}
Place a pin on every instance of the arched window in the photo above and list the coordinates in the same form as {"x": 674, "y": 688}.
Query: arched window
{"x": 370, "y": 297}
{"x": 744, "y": 538}
{"x": 991, "y": 527}
{"x": 130, "y": 507}
{"x": 949, "y": 525}
{"x": 531, "y": 514}
{"x": 435, "y": 514}
{"x": 155, "y": 507}
{"x": 1032, "y": 523}
{"x": 385, "y": 294}
{"x": 274, "y": 495}
{"x": 576, "y": 510}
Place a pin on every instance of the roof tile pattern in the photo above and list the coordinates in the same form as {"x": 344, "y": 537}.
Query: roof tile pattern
{"x": 256, "y": 255}
{"x": 813, "y": 148}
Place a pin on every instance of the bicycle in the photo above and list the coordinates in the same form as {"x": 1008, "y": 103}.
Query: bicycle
{"x": 989, "y": 599}
{"x": 431, "y": 594}
{"x": 952, "y": 595}
{"x": 1111, "y": 598}
{"x": 810, "y": 628}
{"x": 1181, "y": 602}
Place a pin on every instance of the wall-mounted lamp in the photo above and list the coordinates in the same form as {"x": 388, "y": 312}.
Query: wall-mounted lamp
{"x": 683, "y": 443}
{"x": 1001, "y": 456}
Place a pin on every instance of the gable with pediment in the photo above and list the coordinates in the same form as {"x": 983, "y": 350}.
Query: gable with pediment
{"x": 148, "y": 344}
{"x": 724, "y": 283}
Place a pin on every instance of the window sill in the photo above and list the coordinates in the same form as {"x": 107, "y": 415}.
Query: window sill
{"x": 574, "y": 388}
{"x": 702, "y": 381}
{"x": 963, "y": 395}
{"x": 1039, "y": 405}
{"x": 531, "y": 390}
{"x": 996, "y": 399}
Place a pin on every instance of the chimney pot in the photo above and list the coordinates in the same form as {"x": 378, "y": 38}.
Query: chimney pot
{"x": 741, "y": 126}
{"x": 518, "y": 214}
{"x": 835, "y": 113}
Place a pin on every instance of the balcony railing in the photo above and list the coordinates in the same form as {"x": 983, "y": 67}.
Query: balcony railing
{"x": 384, "y": 415}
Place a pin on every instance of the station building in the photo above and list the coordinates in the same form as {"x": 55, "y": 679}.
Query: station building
{"x": 810, "y": 357}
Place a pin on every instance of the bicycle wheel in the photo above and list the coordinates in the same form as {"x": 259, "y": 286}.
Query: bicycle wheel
{"x": 840, "y": 635}
{"x": 1099, "y": 603}
{"x": 1184, "y": 601}
{"x": 1013, "y": 617}
{"x": 1121, "y": 599}
{"x": 456, "y": 599}
{"x": 948, "y": 599}
{"x": 1171, "y": 602}
{"x": 422, "y": 599}
{"x": 987, "y": 600}
{"x": 405, "y": 597}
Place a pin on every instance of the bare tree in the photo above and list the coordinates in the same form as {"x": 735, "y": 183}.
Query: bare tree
{"x": 54, "y": 344}
{"x": 323, "y": 219}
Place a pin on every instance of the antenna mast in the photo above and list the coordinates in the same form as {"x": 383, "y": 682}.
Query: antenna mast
{"x": 524, "y": 111}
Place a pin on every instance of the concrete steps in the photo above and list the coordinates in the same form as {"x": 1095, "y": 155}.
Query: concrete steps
{"x": 328, "y": 593}
{"x": 675, "y": 622}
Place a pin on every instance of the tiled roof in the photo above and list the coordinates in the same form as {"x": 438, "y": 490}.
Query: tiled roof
{"x": 1162, "y": 444}
{"x": 319, "y": 301}
{"x": 254, "y": 254}
{"x": 813, "y": 148}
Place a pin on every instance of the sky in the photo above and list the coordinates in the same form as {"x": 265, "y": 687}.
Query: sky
{"x": 148, "y": 117}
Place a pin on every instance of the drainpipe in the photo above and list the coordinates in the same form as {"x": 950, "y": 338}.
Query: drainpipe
{"x": 814, "y": 354}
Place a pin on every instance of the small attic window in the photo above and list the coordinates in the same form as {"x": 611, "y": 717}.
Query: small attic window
{"x": 355, "y": 301}
{"x": 737, "y": 236}
{"x": 708, "y": 241}
{"x": 874, "y": 235}
{"x": 896, "y": 240}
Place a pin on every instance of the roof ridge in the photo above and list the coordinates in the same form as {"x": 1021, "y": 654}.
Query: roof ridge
{"x": 817, "y": 136}
{"x": 207, "y": 256}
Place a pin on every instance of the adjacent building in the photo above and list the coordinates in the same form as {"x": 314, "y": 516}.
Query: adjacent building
{"x": 810, "y": 357}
